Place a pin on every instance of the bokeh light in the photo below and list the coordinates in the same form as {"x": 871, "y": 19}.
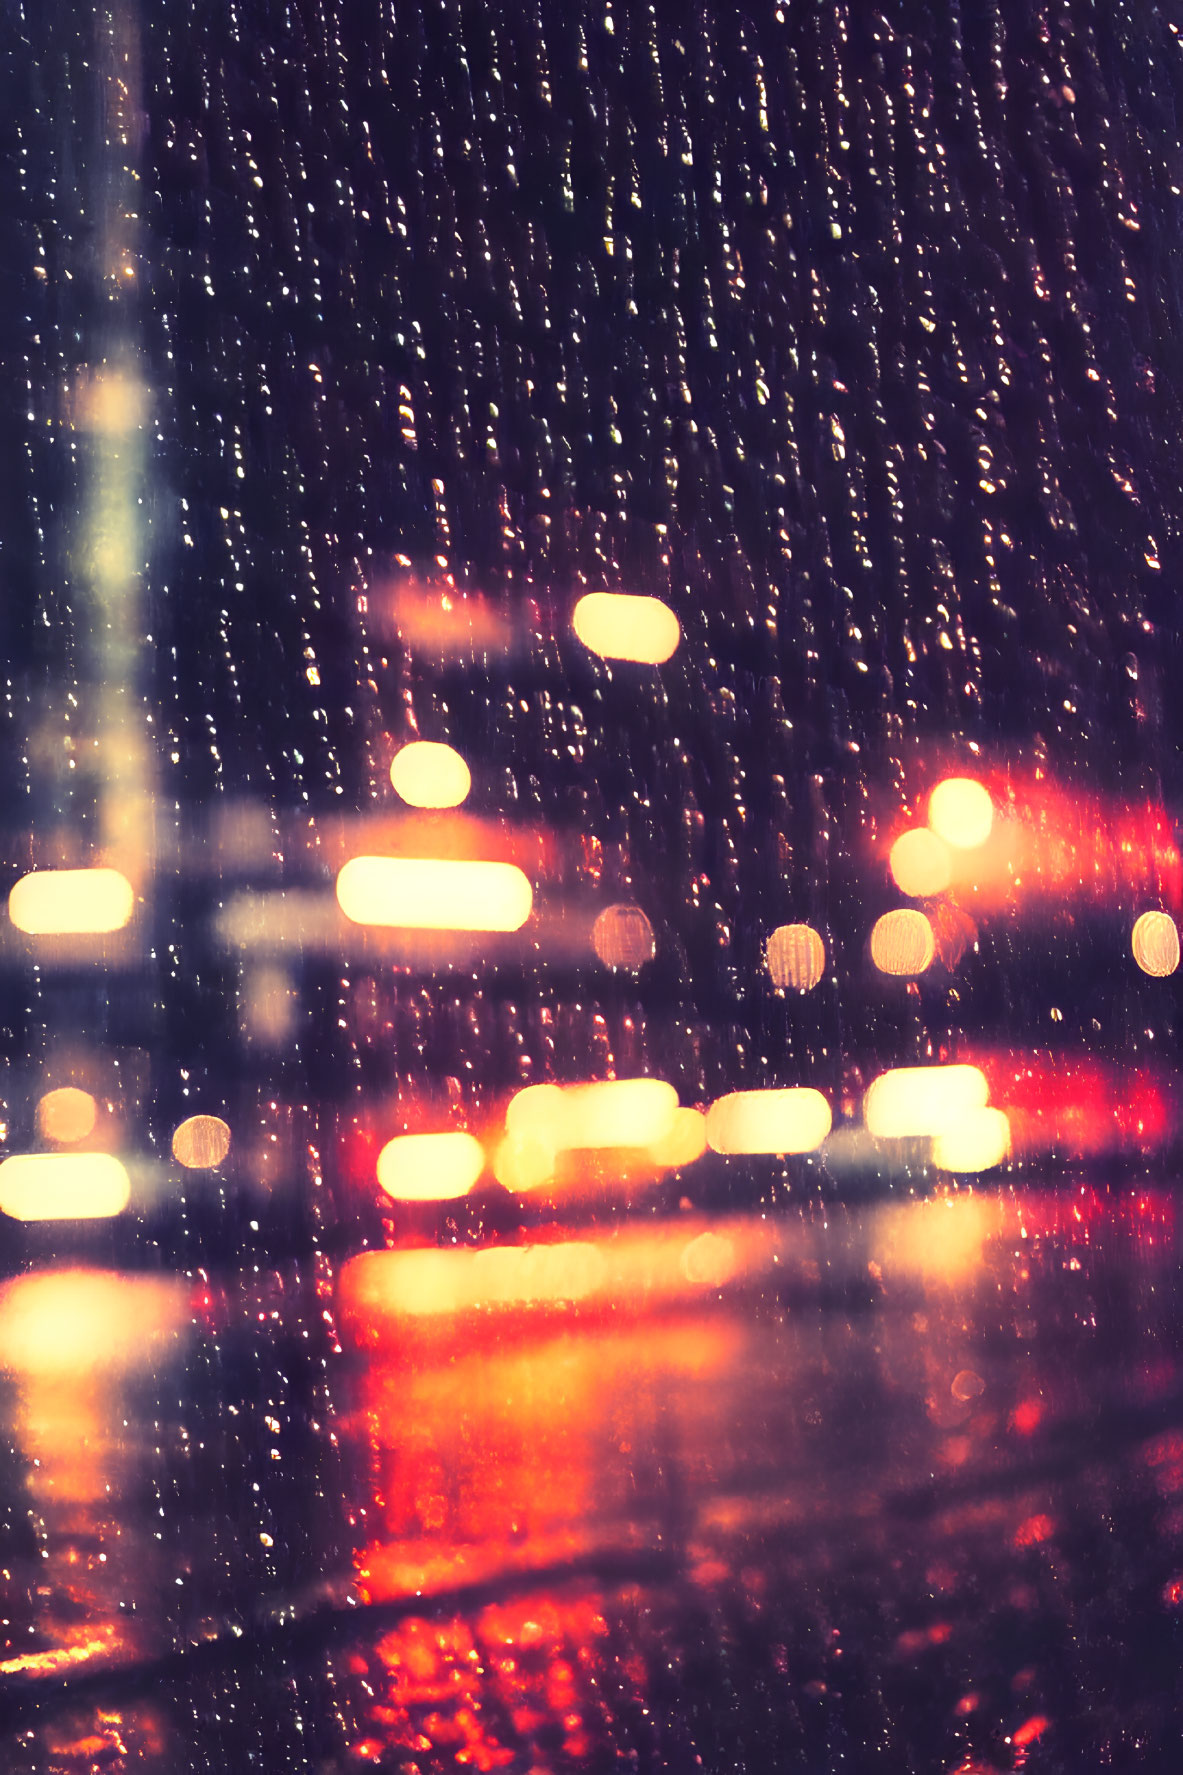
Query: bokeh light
{"x": 795, "y": 956}
{"x": 426, "y": 773}
{"x": 902, "y": 942}
{"x": 430, "y": 1167}
{"x": 793, "y": 1120}
{"x": 916, "y": 1100}
{"x": 920, "y": 863}
{"x": 427, "y": 893}
{"x": 201, "y": 1143}
{"x": 1155, "y": 943}
{"x": 67, "y": 1114}
{"x": 622, "y": 937}
{"x": 623, "y": 626}
{"x": 977, "y": 1141}
{"x": 961, "y": 812}
{"x": 71, "y": 902}
{"x": 63, "y": 1186}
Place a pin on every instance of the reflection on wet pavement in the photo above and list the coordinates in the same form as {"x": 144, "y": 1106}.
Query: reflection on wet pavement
{"x": 909, "y": 1476}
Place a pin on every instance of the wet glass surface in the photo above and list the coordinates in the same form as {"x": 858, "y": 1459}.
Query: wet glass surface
{"x": 901, "y": 1481}
{"x": 589, "y": 1102}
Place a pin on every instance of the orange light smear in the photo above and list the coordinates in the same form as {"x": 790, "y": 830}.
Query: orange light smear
{"x": 1030, "y": 1730}
{"x": 1034, "y": 1530}
{"x": 902, "y": 942}
{"x": 71, "y": 902}
{"x": 434, "y": 894}
{"x": 451, "y": 833}
{"x": 66, "y": 1322}
{"x": 622, "y": 626}
{"x": 201, "y": 1143}
{"x": 63, "y": 1186}
{"x": 440, "y": 622}
{"x": 67, "y": 1114}
{"x": 496, "y": 1455}
{"x": 427, "y": 774}
{"x": 912, "y": 1101}
{"x": 430, "y": 1167}
{"x": 795, "y": 956}
{"x": 939, "y": 1241}
{"x": 795, "y": 1120}
{"x": 46, "y": 1663}
{"x": 920, "y": 863}
{"x": 634, "y": 1269}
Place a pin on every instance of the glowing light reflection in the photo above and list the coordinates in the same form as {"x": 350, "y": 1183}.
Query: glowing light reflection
{"x": 71, "y": 902}
{"x": 438, "y": 894}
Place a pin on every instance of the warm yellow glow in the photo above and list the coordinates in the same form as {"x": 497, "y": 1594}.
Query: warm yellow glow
{"x": 937, "y": 1241}
{"x": 961, "y": 812}
{"x": 523, "y": 1164}
{"x": 430, "y": 1167}
{"x": 430, "y": 1282}
{"x": 918, "y": 1100}
{"x": 710, "y": 1260}
{"x": 685, "y": 1142}
{"x": 427, "y": 774}
{"x": 623, "y": 937}
{"x": 610, "y": 1113}
{"x": 435, "y": 894}
{"x": 795, "y": 1120}
{"x": 978, "y": 1140}
{"x": 71, "y": 902}
{"x": 796, "y": 957}
{"x": 920, "y": 863}
{"x": 59, "y": 1322}
{"x": 66, "y": 1114}
{"x": 902, "y": 942}
{"x": 201, "y": 1143}
{"x": 620, "y": 625}
{"x": 1155, "y": 944}
{"x": 63, "y": 1186}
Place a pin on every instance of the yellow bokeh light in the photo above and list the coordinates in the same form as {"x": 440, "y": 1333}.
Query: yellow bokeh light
{"x": 685, "y": 1142}
{"x": 63, "y": 1186}
{"x": 61, "y": 1322}
{"x": 622, "y": 937}
{"x": 796, "y": 957}
{"x": 920, "y": 863}
{"x": 427, "y": 1283}
{"x": 66, "y": 1114}
{"x": 917, "y": 1100}
{"x": 428, "y": 774}
{"x": 608, "y": 1113}
{"x": 961, "y": 812}
{"x": 522, "y": 1163}
{"x": 201, "y": 1143}
{"x": 620, "y": 625}
{"x": 430, "y": 1167}
{"x": 440, "y": 894}
{"x": 902, "y": 942}
{"x": 978, "y": 1140}
{"x": 1155, "y": 943}
{"x": 795, "y": 1120}
{"x": 71, "y": 902}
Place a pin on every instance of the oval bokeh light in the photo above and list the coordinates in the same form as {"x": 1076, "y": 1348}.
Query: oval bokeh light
{"x": 623, "y": 626}
{"x": 1155, "y": 943}
{"x": 426, "y": 773}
